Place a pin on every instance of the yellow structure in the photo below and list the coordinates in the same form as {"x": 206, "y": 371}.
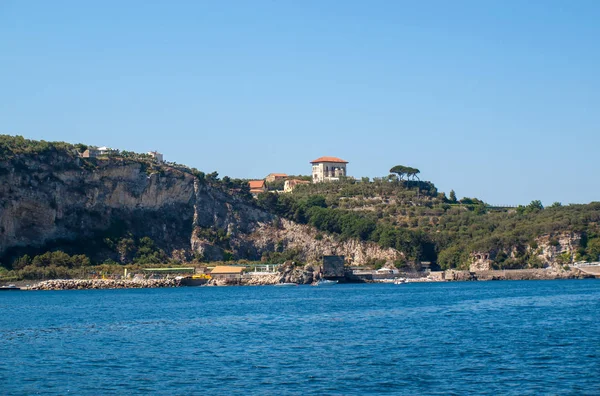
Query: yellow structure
{"x": 227, "y": 272}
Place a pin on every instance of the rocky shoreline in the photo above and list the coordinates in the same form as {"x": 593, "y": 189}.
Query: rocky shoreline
{"x": 301, "y": 276}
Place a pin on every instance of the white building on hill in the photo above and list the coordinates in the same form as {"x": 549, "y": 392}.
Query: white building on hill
{"x": 328, "y": 169}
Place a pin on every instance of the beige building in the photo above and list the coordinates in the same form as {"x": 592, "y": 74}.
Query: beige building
{"x": 227, "y": 272}
{"x": 289, "y": 185}
{"x": 328, "y": 169}
{"x": 271, "y": 177}
{"x": 94, "y": 152}
{"x": 158, "y": 157}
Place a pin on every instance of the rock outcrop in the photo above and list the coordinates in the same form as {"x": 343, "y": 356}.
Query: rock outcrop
{"x": 550, "y": 247}
{"x": 549, "y": 251}
{"x": 289, "y": 235}
{"x": 480, "y": 261}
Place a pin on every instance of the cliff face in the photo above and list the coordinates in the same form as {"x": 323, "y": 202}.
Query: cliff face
{"x": 58, "y": 200}
{"x": 550, "y": 250}
{"x": 285, "y": 234}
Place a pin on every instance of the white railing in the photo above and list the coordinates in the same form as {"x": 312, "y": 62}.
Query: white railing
{"x": 594, "y": 264}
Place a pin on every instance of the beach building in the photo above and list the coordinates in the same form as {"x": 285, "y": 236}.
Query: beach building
{"x": 257, "y": 186}
{"x": 227, "y": 272}
{"x": 264, "y": 269}
{"x": 289, "y": 185}
{"x": 328, "y": 169}
{"x": 271, "y": 177}
{"x": 167, "y": 272}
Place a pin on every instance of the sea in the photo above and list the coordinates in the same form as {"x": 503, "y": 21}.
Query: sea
{"x": 501, "y": 338}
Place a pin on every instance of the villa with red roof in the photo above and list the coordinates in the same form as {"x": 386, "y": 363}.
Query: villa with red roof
{"x": 271, "y": 177}
{"x": 257, "y": 187}
{"x": 328, "y": 169}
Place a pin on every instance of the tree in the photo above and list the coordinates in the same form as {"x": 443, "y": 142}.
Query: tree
{"x": 22, "y": 262}
{"x": 453, "y": 196}
{"x": 213, "y": 177}
{"x": 535, "y": 206}
{"x": 227, "y": 181}
{"x": 125, "y": 248}
{"x": 400, "y": 170}
{"x": 593, "y": 249}
{"x": 412, "y": 172}
{"x": 409, "y": 172}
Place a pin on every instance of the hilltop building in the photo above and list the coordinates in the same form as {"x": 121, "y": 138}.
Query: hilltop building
{"x": 94, "y": 152}
{"x": 257, "y": 186}
{"x": 158, "y": 157}
{"x": 271, "y": 177}
{"x": 328, "y": 169}
{"x": 289, "y": 185}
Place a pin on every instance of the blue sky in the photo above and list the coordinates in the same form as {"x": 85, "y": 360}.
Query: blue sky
{"x": 495, "y": 99}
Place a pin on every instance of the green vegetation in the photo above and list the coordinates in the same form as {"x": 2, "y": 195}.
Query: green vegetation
{"x": 142, "y": 251}
{"x": 430, "y": 227}
{"x": 407, "y": 171}
{"x": 12, "y": 146}
{"x": 60, "y": 265}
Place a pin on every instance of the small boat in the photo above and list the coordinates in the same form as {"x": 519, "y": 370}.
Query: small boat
{"x": 326, "y": 282}
{"x": 399, "y": 281}
{"x": 285, "y": 284}
{"x": 9, "y": 288}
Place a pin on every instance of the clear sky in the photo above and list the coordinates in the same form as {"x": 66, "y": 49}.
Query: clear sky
{"x": 495, "y": 99}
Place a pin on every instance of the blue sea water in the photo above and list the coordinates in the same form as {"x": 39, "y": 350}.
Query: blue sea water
{"x": 437, "y": 338}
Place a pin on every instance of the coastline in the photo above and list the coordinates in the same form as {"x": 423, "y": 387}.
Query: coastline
{"x": 276, "y": 278}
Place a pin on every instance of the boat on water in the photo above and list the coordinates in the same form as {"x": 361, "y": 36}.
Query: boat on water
{"x": 286, "y": 284}
{"x": 326, "y": 282}
{"x": 400, "y": 281}
{"x": 9, "y": 288}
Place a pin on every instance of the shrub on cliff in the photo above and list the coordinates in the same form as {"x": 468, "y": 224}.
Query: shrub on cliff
{"x": 52, "y": 259}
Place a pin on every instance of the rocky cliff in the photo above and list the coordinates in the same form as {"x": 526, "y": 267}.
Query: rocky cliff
{"x": 57, "y": 200}
{"x": 546, "y": 251}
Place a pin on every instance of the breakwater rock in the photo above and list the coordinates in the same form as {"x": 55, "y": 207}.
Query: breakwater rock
{"x": 286, "y": 274}
{"x": 523, "y": 274}
{"x": 83, "y": 284}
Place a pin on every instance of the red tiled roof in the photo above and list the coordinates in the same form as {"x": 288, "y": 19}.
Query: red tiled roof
{"x": 329, "y": 159}
{"x": 256, "y": 184}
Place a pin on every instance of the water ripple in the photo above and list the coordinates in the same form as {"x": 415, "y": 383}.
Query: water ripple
{"x": 455, "y": 338}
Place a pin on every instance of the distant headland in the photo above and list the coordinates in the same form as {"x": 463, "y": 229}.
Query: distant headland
{"x": 72, "y": 210}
